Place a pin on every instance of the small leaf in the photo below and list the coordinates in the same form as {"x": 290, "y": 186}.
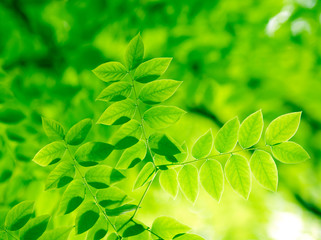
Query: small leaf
{"x": 188, "y": 236}
{"x": 282, "y": 128}
{"x": 3, "y": 234}
{"x": 86, "y": 217}
{"x": 290, "y": 152}
{"x": 164, "y": 145}
{"x": 144, "y": 175}
{"x": 151, "y": 70}
{"x": 34, "y": 228}
{"x": 11, "y": 116}
{"x": 118, "y": 113}
{"x": 203, "y": 146}
{"x": 132, "y": 156}
{"x": 50, "y": 152}
{"x": 99, "y": 230}
{"x": 111, "y": 197}
{"x": 226, "y": 138}
{"x": 115, "y": 92}
{"x": 78, "y": 133}
{"x": 158, "y": 91}
{"x": 134, "y": 53}
{"x": 72, "y": 197}
{"x": 120, "y": 210}
{"x": 188, "y": 181}
{"x": 251, "y": 130}
{"x": 127, "y": 135}
{"x": 168, "y": 181}
{"x": 264, "y": 169}
{"x": 133, "y": 230}
{"x": 61, "y": 233}
{"x": 212, "y": 178}
{"x": 60, "y": 175}
{"x": 167, "y": 227}
{"x": 113, "y": 236}
{"x": 53, "y": 128}
{"x": 102, "y": 176}
{"x": 92, "y": 152}
{"x": 110, "y": 71}
{"x": 19, "y": 215}
{"x": 238, "y": 174}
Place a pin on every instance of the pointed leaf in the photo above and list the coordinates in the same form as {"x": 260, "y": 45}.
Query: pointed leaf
{"x": 61, "y": 233}
{"x": 99, "y": 230}
{"x": 134, "y": 53}
{"x": 60, "y": 176}
{"x": 53, "y": 128}
{"x": 188, "y": 181}
{"x": 226, "y": 138}
{"x": 50, "y": 152}
{"x": 188, "y": 236}
{"x": 132, "y": 156}
{"x": 78, "y": 133}
{"x": 86, "y": 217}
{"x": 72, "y": 197}
{"x": 168, "y": 181}
{"x": 127, "y": 135}
{"x": 34, "y": 228}
{"x": 112, "y": 197}
{"x": 134, "y": 230}
{"x": 167, "y": 227}
{"x": 164, "y": 145}
{"x": 19, "y": 215}
{"x": 115, "y": 92}
{"x": 110, "y": 71}
{"x": 203, "y": 146}
{"x": 290, "y": 152}
{"x": 144, "y": 175}
{"x": 103, "y": 176}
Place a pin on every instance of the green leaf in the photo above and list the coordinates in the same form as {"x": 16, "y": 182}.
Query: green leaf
{"x": 19, "y": 215}
{"x": 110, "y": 71}
{"x": 113, "y": 236}
{"x": 127, "y": 135}
{"x": 290, "y": 152}
{"x": 72, "y": 197}
{"x": 188, "y": 236}
{"x": 78, "y": 133}
{"x": 145, "y": 175}
{"x": 115, "y": 92}
{"x": 134, "y": 230}
{"x": 203, "y": 146}
{"x": 167, "y": 227}
{"x": 86, "y": 217}
{"x": 49, "y": 153}
{"x": 264, "y": 169}
{"x": 99, "y": 230}
{"x": 162, "y": 116}
{"x": 120, "y": 210}
{"x": 226, "y": 138}
{"x": 11, "y": 116}
{"x": 134, "y": 53}
{"x": 282, "y": 128}
{"x": 3, "y": 235}
{"x": 102, "y": 176}
{"x": 158, "y": 91}
{"x": 251, "y": 130}
{"x": 151, "y": 70}
{"x": 91, "y": 153}
{"x": 118, "y": 113}
{"x": 238, "y": 174}
{"x": 34, "y": 228}
{"x": 53, "y": 128}
{"x": 61, "y": 233}
{"x": 168, "y": 181}
{"x": 164, "y": 145}
{"x": 132, "y": 156}
{"x": 212, "y": 178}
{"x": 188, "y": 181}
{"x": 112, "y": 197}
{"x": 60, "y": 176}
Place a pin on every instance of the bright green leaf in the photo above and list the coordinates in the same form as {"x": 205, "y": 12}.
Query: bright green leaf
{"x": 53, "y": 128}
{"x": 86, "y": 217}
{"x": 99, "y": 230}
{"x": 112, "y": 197}
{"x": 226, "y": 138}
{"x": 188, "y": 181}
{"x": 49, "y": 153}
{"x": 132, "y": 156}
{"x": 60, "y": 233}
{"x": 72, "y": 197}
{"x": 145, "y": 175}
{"x": 19, "y": 215}
{"x": 168, "y": 181}
{"x": 188, "y": 236}
{"x": 134, "y": 230}
{"x": 110, "y": 71}
{"x": 290, "y": 152}
{"x": 120, "y": 210}
{"x": 60, "y": 175}
{"x": 203, "y": 146}
{"x": 164, "y": 145}
{"x": 11, "y": 115}
{"x": 78, "y": 133}
{"x": 34, "y": 228}
{"x": 115, "y": 92}
{"x": 134, "y": 53}
{"x": 127, "y": 135}
{"x": 167, "y": 227}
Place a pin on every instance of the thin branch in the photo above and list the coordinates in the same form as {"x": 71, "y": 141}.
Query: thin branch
{"x": 6, "y": 230}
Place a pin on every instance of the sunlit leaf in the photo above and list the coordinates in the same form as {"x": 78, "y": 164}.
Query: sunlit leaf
{"x": 167, "y": 227}
{"x": 168, "y": 181}
{"x": 226, "y": 138}
{"x": 134, "y": 53}
{"x": 60, "y": 233}
{"x": 72, "y": 197}
{"x": 53, "y": 128}
{"x": 290, "y": 152}
{"x": 86, "y": 217}
{"x": 203, "y": 146}
{"x": 112, "y": 197}
{"x": 19, "y": 215}
{"x": 132, "y": 156}
{"x": 34, "y": 228}
{"x": 144, "y": 175}
{"x": 50, "y": 152}
{"x": 164, "y": 145}
{"x": 115, "y": 92}
{"x": 78, "y": 133}
{"x": 134, "y": 230}
{"x": 127, "y": 135}
{"x": 120, "y": 210}
{"x": 110, "y": 71}
{"x": 99, "y": 230}
{"x": 60, "y": 175}
{"x": 188, "y": 236}
{"x": 188, "y": 182}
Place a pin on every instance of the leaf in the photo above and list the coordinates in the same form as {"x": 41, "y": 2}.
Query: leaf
{"x": 50, "y": 152}
{"x": 164, "y": 145}
{"x": 203, "y": 146}
{"x": 188, "y": 181}
{"x": 99, "y": 230}
{"x": 19, "y": 215}
{"x": 53, "y": 128}
{"x": 110, "y": 71}
{"x": 112, "y": 197}
{"x": 72, "y": 197}
{"x": 158, "y": 91}
{"x": 132, "y": 156}
{"x": 120, "y": 210}
{"x": 167, "y": 227}
{"x": 144, "y": 175}
{"x": 34, "y": 228}
{"x": 102, "y": 176}
{"x": 151, "y": 70}
{"x": 282, "y": 128}
{"x": 61, "y": 175}
{"x": 212, "y": 178}
{"x": 264, "y": 169}
{"x": 238, "y": 174}
{"x": 251, "y": 130}
{"x": 290, "y": 152}
{"x": 115, "y": 92}
{"x": 61, "y": 233}
{"x": 118, "y": 113}
{"x": 226, "y": 138}
{"x": 113, "y": 236}
{"x": 86, "y": 217}
{"x": 133, "y": 230}
{"x": 91, "y": 153}
{"x": 3, "y": 234}
{"x": 11, "y": 116}
{"x": 78, "y": 133}
{"x": 127, "y": 135}
{"x": 134, "y": 53}
{"x": 188, "y": 236}
{"x": 162, "y": 116}
{"x": 168, "y": 181}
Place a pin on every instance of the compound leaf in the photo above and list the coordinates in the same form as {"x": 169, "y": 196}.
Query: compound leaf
{"x": 19, "y": 215}
{"x": 49, "y": 153}
{"x": 203, "y": 146}
{"x": 78, "y": 133}
{"x": 110, "y": 71}
{"x": 226, "y": 138}
{"x": 289, "y": 152}
{"x": 188, "y": 181}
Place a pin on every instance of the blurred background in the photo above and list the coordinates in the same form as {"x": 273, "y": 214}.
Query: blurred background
{"x": 234, "y": 57}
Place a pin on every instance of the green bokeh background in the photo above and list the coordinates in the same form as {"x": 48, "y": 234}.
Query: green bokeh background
{"x": 234, "y": 57}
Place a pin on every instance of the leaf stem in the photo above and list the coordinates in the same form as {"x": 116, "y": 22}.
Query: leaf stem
{"x": 6, "y": 230}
